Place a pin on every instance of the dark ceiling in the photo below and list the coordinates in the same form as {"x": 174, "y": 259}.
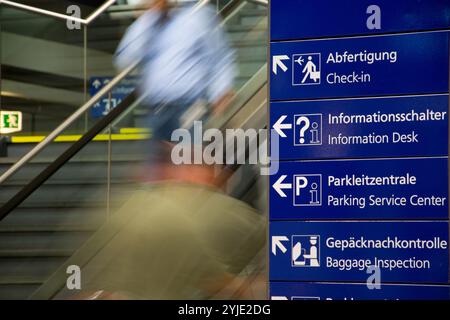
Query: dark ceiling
{"x": 60, "y": 6}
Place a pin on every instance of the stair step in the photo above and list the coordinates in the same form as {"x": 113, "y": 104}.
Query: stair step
{"x": 89, "y": 182}
{"x": 251, "y": 20}
{"x": 247, "y": 28}
{"x": 68, "y": 204}
{"x": 27, "y": 270}
{"x": 242, "y": 36}
{"x": 94, "y": 159}
{"x": 49, "y": 228}
{"x": 17, "y": 291}
{"x": 22, "y": 280}
{"x": 35, "y": 253}
{"x": 243, "y": 59}
{"x": 89, "y": 173}
{"x": 95, "y": 149}
{"x": 53, "y": 219}
{"x": 260, "y": 12}
{"x": 59, "y": 196}
{"x": 42, "y": 241}
{"x": 249, "y": 52}
{"x": 249, "y": 69}
{"x": 250, "y": 43}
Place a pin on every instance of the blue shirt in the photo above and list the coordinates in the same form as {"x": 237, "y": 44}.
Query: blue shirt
{"x": 186, "y": 58}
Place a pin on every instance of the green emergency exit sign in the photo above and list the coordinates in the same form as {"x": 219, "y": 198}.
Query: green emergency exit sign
{"x": 10, "y": 121}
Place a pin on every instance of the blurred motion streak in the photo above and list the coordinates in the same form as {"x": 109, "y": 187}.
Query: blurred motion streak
{"x": 182, "y": 237}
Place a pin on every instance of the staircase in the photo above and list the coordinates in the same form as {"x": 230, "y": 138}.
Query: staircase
{"x": 42, "y": 233}
{"x": 51, "y": 224}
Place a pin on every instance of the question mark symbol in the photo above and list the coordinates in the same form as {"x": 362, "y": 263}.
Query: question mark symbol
{"x": 303, "y": 128}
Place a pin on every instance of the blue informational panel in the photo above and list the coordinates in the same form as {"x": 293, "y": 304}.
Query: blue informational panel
{"x": 353, "y": 291}
{"x": 359, "y": 102}
{"x": 357, "y": 67}
{"x": 409, "y": 252}
{"x": 355, "y": 128}
{"x": 299, "y": 19}
{"x": 120, "y": 92}
{"x": 360, "y": 189}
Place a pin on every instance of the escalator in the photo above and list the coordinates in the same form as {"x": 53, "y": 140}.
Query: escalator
{"x": 76, "y": 186}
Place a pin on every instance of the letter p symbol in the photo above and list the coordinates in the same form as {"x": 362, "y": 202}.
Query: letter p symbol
{"x": 300, "y": 183}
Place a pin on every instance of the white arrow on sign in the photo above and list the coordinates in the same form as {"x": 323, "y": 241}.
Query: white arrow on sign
{"x": 277, "y": 243}
{"x": 278, "y": 298}
{"x": 279, "y": 186}
{"x": 277, "y": 61}
{"x": 96, "y": 83}
{"x": 279, "y": 126}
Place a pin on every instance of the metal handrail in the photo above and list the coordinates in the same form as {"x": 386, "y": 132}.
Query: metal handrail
{"x": 66, "y": 17}
{"x": 90, "y": 18}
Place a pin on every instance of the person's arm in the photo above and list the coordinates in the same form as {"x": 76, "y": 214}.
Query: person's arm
{"x": 222, "y": 64}
{"x": 136, "y": 41}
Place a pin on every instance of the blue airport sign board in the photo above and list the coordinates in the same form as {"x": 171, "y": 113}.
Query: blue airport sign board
{"x": 356, "y": 291}
{"x": 360, "y": 189}
{"x": 118, "y": 94}
{"x": 391, "y": 252}
{"x": 359, "y": 102}
{"x": 300, "y": 19}
{"x": 366, "y": 66}
{"x": 355, "y": 128}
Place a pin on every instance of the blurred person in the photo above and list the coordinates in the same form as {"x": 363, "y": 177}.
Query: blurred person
{"x": 176, "y": 241}
{"x": 182, "y": 237}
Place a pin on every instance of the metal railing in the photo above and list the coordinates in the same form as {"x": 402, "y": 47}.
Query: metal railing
{"x": 92, "y": 16}
{"x": 76, "y": 115}
{"x": 68, "y": 122}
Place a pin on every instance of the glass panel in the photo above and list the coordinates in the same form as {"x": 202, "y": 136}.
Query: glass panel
{"x": 46, "y": 229}
{"x": 247, "y": 30}
{"x": 42, "y": 70}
